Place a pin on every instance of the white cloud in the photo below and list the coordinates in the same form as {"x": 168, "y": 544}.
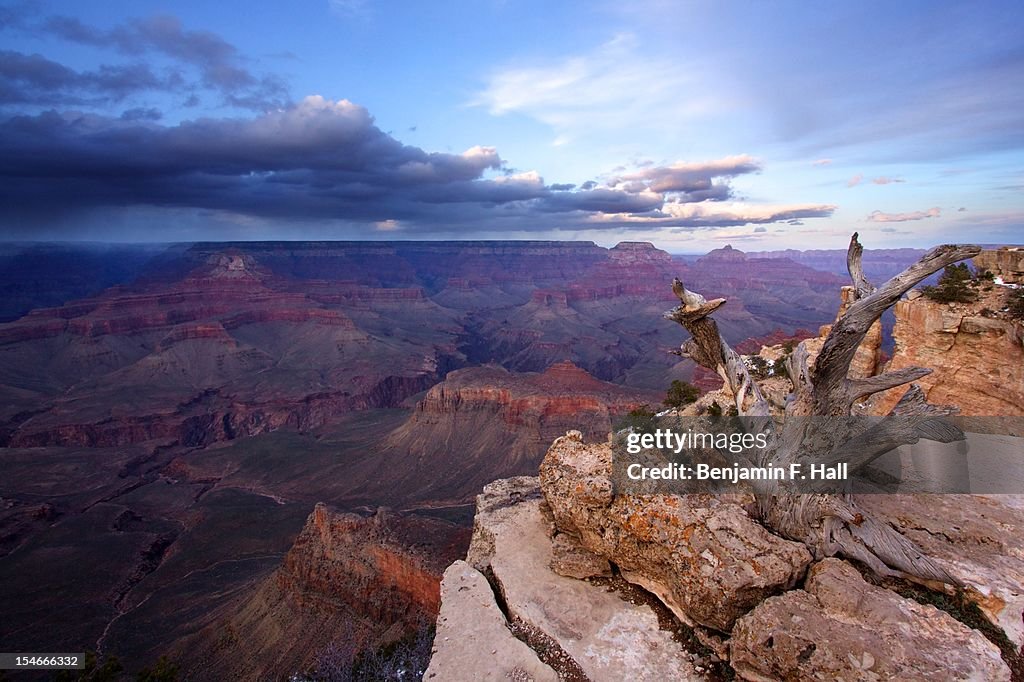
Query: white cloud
{"x": 689, "y": 180}
{"x": 615, "y": 86}
{"x": 880, "y": 217}
{"x": 717, "y": 214}
{"x": 527, "y": 179}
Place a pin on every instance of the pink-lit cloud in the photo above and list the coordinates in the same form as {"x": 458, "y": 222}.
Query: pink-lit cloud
{"x": 880, "y": 217}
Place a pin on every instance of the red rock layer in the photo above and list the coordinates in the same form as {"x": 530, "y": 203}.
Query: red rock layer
{"x": 347, "y": 581}
{"x": 485, "y": 422}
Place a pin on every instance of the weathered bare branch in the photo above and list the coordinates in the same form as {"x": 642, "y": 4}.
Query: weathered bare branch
{"x": 832, "y": 524}
{"x": 708, "y": 349}
{"x": 853, "y": 263}
{"x": 858, "y": 388}
{"x": 829, "y": 377}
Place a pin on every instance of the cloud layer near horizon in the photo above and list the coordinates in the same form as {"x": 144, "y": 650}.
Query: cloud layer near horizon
{"x": 320, "y": 159}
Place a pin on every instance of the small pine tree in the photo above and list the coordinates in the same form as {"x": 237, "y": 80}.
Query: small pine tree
{"x": 681, "y": 393}
{"x": 714, "y": 409}
{"x": 955, "y": 286}
{"x": 758, "y": 367}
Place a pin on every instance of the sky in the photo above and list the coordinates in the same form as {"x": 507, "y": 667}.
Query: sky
{"x": 767, "y": 125}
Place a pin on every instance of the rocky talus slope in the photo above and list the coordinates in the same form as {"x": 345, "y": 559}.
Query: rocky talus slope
{"x": 760, "y": 607}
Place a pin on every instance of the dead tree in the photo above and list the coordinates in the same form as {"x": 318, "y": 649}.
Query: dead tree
{"x": 831, "y": 524}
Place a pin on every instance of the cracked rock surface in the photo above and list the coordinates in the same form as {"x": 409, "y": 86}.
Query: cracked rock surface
{"x": 606, "y": 637}
{"x": 702, "y": 555}
{"x": 473, "y": 641}
{"x": 840, "y": 627}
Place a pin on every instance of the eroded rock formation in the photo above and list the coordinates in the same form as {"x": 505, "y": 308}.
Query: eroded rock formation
{"x": 502, "y": 423}
{"x": 524, "y": 606}
{"x": 1007, "y": 263}
{"x": 348, "y": 580}
{"x": 702, "y": 555}
{"x": 976, "y": 354}
{"x": 584, "y": 629}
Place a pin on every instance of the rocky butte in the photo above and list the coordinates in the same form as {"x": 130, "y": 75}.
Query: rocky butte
{"x": 976, "y": 350}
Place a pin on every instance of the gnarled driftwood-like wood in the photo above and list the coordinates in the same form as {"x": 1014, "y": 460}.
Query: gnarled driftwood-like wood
{"x": 833, "y": 524}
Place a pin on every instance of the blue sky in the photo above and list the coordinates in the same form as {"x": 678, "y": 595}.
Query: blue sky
{"x": 691, "y": 124}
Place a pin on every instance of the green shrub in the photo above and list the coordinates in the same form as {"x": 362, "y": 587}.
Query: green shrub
{"x": 681, "y": 393}
{"x": 758, "y": 367}
{"x": 641, "y": 420}
{"x": 957, "y": 285}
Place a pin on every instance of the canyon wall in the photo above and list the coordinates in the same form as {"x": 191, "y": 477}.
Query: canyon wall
{"x": 976, "y": 352}
{"x": 348, "y": 585}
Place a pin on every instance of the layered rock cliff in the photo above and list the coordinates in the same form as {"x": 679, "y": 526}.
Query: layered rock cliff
{"x": 975, "y": 350}
{"x": 1006, "y": 263}
{"x": 349, "y": 583}
{"x": 484, "y": 423}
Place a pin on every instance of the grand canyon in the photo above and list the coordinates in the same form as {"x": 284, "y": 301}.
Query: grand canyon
{"x": 327, "y": 329}
{"x": 235, "y": 446}
{"x": 168, "y": 437}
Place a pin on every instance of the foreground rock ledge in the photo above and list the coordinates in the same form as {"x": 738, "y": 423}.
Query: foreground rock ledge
{"x": 600, "y": 634}
{"x": 842, "y": 628}
{"x": 702, "y": 555}
{"x": 473, "y": 641}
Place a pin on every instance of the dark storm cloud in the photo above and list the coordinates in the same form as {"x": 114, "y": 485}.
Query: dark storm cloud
{"x": 201, "y": 60}
{"x": 321, "y": 157}
{"x": 601, "y": 201}
{"x": 314, "y": 160}
{"x": 34, "y": 79}
{"x": 219, "y": 63}
{"x": 562, "y": 187}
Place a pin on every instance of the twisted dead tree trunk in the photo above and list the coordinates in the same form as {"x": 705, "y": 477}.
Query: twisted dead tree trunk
{"x": 817, "y": 428}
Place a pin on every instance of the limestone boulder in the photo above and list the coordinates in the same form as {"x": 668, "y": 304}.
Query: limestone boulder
{"x": 702, "y": 555}
{"x": 976, "y": 539}
{"x": 840, "y": 627}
